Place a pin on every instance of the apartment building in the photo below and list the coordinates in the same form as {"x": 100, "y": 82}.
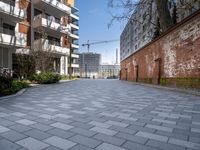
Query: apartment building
{"x": 138, "y": 33}
{"x": 46, "y": 25}
{"x": 11, "y": 38}
{"x": 109, "y": 71}
{"x": 89, "y": 65}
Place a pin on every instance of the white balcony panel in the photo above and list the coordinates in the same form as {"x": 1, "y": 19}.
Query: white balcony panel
{"x": 15, "y": 13}
{"x": 20, "y": 40}
{"x": 74, "y": 16}
{"x": 53, "y": 6}
{"x": 39, "y": 21}
{"x": 74, "y": 26}
{"x": 42, "y": 44}
{"x": 75, "y": 65}
{"x": 75, "y": 56}
{"x": 75, "y": 46}
{"x": 74, "y": 36}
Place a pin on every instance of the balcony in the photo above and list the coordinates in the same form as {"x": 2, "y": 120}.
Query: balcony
{"x": 74, "y": 26}
{"x": 53, "y": 6}
{"x": 75, "y": 56}
{"x": 50, "y": 46}
{"x": 11, "y": 38}
{"x": 76, "y": 46}
{"x": 8, "y": 9}
{"x": 74, "y": 16}
{"x": 74, "y": 35}
{"x": 50, "y": 25}
{"x": 75, "y": 65}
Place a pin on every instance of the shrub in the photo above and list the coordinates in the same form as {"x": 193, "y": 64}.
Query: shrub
{"x": 15, "y": 87}
{"x": 46, "y": 78}
{"x": 66, "y": 77}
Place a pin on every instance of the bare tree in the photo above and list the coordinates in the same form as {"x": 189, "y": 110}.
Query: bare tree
{"x": 42, "y": 52}
{"x": 131, "y": 7}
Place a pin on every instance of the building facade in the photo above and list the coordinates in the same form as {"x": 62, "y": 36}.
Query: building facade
{"x": 109, "y": 71}
{"x": 137, "y": 34}
{"x": 42, "y": 25}
{"x": 89, "y": 65}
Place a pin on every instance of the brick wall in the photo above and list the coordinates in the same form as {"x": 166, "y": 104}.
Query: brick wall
{"x": 172, "y": 59}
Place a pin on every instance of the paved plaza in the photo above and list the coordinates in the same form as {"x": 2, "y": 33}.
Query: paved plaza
{"x": 100, "y": 115}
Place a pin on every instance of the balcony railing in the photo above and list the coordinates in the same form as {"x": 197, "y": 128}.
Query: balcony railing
{"x": 50, "y": 46}
{"x": 50, "y": 22}
{"x": 55, "y": 4}
{"x": 8, "y": 7}
{"x": 12, "y": 38}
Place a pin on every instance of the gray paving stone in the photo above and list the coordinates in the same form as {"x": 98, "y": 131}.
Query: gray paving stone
{"x": 3, "y": 129}
{"x": 166, "y": 129}
{"x": 133, "y": 138}
{"x": 109, "y": 139}
{"x": 184, "y": 143}
{"x": 120, "y": 124}
{"x": 99, "y": 124}
{"x": 13, "y": 135}
{"x": 163, "y": 145}
{"x": 52, "y": 148}
{"x": 32, "y": 144}
{"x": 80, "y": 147}
{"x": 37, "y": 134}
{"x": 106, "y": 146}
{"x": 125, "y": 130}
{"x": 7, "y": 145}
{"x": 25, "y": 122}
{"x": 87, "y": 104}
{"x": 84, "y": 132}
{"x": 104, "y": 131}
{"x": 136, "y": 146}
{"x": 61, "y": 126}
{"x": 61, "y": 133}
{"x": 164, "y": 121}
{"x": 89, "y": 142}
{"x": 6, "y": 123}
{"x": 59, "y": 142}
{"x": 81, "y": 125}
{"x": 20, "y": 128}
{"x": 152, "y": 136}
{"x": 41, "y": 127}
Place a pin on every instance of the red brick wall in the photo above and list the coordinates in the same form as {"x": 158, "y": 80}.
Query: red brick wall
{"x": 175, "y": 56}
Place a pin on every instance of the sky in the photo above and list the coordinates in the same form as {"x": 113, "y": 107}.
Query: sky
{"x": 94, "y": 20}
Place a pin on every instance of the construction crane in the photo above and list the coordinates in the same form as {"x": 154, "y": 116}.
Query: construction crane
{"x": 88, "y": 44}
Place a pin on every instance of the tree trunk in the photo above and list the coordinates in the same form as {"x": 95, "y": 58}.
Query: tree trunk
{"x": 164, "y": 14}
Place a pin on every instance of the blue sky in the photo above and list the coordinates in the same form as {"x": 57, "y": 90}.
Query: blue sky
{"x": 94, "y": 19}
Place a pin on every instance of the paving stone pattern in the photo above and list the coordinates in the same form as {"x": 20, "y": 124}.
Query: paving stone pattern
{"x": 100, "y": 115}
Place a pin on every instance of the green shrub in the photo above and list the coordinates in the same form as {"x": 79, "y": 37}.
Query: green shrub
{"x": 66, "y": 77}
{"x": 15, "y": 87}
{"x": 46, "y": 78}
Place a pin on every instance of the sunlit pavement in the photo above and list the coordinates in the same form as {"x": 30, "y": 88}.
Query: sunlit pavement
{"x": 101, "y": 115}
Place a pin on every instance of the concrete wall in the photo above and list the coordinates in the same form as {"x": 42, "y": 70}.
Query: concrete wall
{"x": 172, "y": 59}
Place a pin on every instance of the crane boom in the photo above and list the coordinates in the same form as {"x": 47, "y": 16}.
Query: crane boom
{"x": 99, "y": 42}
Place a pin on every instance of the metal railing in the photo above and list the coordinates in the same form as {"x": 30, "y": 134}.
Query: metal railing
{"x": 49, "y": 18}
{"x": 12, "y": 9}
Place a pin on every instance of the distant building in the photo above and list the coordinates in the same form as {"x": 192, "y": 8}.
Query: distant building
{"x": 138, "y": 33}
{"x": 89, "y": 65}
{"x": 109, "y": 71}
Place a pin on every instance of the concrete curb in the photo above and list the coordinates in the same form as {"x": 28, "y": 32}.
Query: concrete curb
{"x": 186, "y": 91}
{"x": 14, "y": 95}
{"x": 32, "y": 86}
